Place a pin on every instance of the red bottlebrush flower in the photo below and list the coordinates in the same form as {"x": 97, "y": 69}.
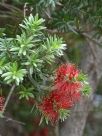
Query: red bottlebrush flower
{"x": 48, "y": 110}
{"x": 66, "y": 72}
{"x": 66, "y": 81}
{"x": 68, "y": 87}
{"x": 60, "y": 100}
{"x": 51, "y": 105}
{"x": 65, "y": 94}
{"x": 2, "y": 100}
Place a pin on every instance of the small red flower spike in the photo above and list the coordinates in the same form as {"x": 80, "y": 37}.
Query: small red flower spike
{"x": 2, "y": 100}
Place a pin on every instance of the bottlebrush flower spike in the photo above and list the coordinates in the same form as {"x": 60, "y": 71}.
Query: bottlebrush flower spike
{"x": 48, "y": 110}
{"x": 2, "y": 100}
{"x": 66, "y": 81}
{"x": 66, "y": 92}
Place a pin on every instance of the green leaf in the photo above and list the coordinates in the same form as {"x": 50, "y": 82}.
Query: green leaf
{"x": 53, "y": 47}
{"x": 46, "y": 120}
{"x": 82, "y": 77}
{"x": 25, "y": 93}
{"x": 1, "y": 114}
{"x": 33, "y": 24}
{"x": 63, "y": 114}
{"x": 2, "y": 65}
{"x": 13, "y": 73}
{"x": 41, "y": 120}
{"x": 86, "y": 89}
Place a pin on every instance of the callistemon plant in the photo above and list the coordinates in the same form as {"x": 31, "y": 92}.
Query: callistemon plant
{"x": 28, "y": 65}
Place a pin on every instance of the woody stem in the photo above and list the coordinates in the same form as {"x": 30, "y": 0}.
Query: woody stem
{"x": 8, "y": 97}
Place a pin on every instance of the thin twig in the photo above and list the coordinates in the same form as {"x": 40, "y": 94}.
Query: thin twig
{"x": 34, "y": 83}
{"x": 8, "y": 119}
{"x": 25, "y": 9}
{"x": 8, "y": 97}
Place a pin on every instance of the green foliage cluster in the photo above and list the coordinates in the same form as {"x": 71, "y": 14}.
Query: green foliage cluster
{"x": 65, "y": 15}
{"x": 70, "y": 15}
{"x": 27, "y": 56}
{"x": 86, "y": 87}
{"x": 37, "y": 6}
{"x": 25, "y": 59}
